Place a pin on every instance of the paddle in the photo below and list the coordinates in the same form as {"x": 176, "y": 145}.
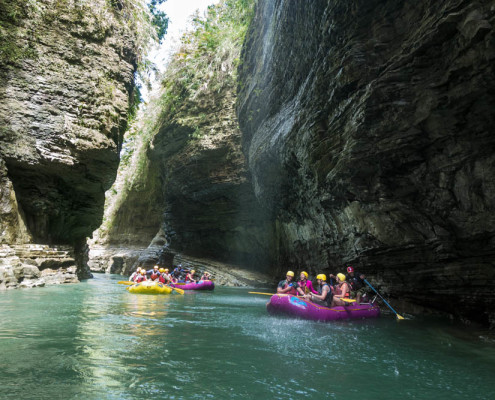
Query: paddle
{"x": 399, "y": 317}
{"x": 348, "y": 300}
{"x": 265, "y": 294}
{"x": 180, "y": 291}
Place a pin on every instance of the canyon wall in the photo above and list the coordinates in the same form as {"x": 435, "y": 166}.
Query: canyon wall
{"x": 368, "y": 130}
{"x": 67, "y": 76}
{"x": 186, "y": 174}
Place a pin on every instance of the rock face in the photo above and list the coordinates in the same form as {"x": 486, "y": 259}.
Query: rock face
{"x": 32, "y": 265}
{"x": 368, "y": 128}
{"x": 210, "y": 208}
{"x": 134, "y": 204}
{"x": 66, "y": 76}
{"x": 209, "y": 202}
{"x": 190, "y": 179}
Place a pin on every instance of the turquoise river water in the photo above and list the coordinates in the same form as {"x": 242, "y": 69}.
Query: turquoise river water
{"x": 95, "y": 340}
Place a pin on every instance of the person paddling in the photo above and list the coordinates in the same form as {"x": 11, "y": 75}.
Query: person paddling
{"x": 206, "y": 276}
{"x": 135, "y": 274}
{"x": 167, "y": 276}
{"x": 342, "y": 291}
{"x": 305, "y": 286}
{"x": 288, "y": 285}
{"x": 141, "y": 277}
{"x": 163, "y": 278}
{"x": 190, "y": 276}
{"x": 324, "y": 295}
{"x": 356, "y": 282}
{"x": 154, "y": 273}
{"x": 176, "y": 274}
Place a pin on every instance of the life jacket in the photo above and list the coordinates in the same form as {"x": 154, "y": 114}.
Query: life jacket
{"x": 339, "y": 289}
{"x": 328, "y": 299}
{"x": 140, "y": 278}
{"x": 154, "y": 275}
{"x": 304, "y": 286}
{"x": 292, "y": 291}
{"x": 161, "y": 278}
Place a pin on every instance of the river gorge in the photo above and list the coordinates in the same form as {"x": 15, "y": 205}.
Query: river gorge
{"x": 283, "y": 135}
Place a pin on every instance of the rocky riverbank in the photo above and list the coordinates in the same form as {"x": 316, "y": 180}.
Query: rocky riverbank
{"x": 31, "y": 265}
{"x": 125, "y": 260}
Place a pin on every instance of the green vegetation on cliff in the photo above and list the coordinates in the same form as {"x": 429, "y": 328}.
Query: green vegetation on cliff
{"x": 67, "y": 70}
{"x": 208, "y": 57}
{"x": 20, "y": 20}
{"x": 204, "y": 65}
{"x": 29, "y": 31}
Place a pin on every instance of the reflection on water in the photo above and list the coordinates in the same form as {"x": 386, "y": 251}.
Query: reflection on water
{"x": 97, "y": 341}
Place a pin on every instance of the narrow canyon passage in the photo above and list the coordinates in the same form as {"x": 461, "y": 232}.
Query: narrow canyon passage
{"x": 340, "y": 148}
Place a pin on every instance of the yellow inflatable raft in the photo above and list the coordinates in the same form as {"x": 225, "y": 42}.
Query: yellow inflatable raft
{"x": 149, "y": 287}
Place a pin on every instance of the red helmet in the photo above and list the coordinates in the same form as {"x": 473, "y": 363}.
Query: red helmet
{"x": 350, "y": 269}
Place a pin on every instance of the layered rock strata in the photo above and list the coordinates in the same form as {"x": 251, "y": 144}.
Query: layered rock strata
{"x": 32, "y": 265}
{"x": 126, "y": 259}
{"x": 368, "y": 128}
{"x": 66, "y": 74}
{"x": 210, "y": 209}
{"x": 190, "y": 178}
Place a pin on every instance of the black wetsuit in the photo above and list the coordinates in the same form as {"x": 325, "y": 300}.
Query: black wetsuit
{"x": 355, "y": 282}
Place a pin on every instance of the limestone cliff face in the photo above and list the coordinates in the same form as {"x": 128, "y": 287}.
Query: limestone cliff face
{"x": 66, "y": 76}
{"x": 368, "y": 128}
{"x": 210, "y": 209}
{"x": 188, "y": 175}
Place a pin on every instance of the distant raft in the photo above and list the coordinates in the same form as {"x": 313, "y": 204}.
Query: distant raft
{"x": 201, "y": 285}
{"x": 295, "y": 306}
{"x": 149, "y": 287}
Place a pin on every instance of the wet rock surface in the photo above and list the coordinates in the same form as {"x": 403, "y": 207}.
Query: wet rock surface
{"x": 378, "y": 148}
{"x": 209, "y": 202}
{"x": 125, "y": 260}
{"x": 63, "y": 111}
{"x": 66, "y": 76}
{"x": 29, "y": 265}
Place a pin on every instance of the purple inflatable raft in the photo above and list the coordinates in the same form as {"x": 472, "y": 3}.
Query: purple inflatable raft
{"x": 201, "y": 285}
{"x": 297, "y": 307}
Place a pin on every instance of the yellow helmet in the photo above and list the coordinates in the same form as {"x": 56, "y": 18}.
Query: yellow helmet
{"x": 193, "y": 271}
{"x": 323, "y": 277}
{"x": 341, "y": 276}
{"x": 161, "y": 270}
{"x": 165, "y": 270}
{"x": 305, "y": 274}
{"x": 290, "y": 273}
{"x": 142, "y": 272}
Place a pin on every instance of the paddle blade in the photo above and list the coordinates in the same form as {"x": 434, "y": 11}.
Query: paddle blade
{"x": 399, "y": 317}
{"x": 180, "y": 291}
{"x": 125, "y": 283}
{"x": 348, "y": 300}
